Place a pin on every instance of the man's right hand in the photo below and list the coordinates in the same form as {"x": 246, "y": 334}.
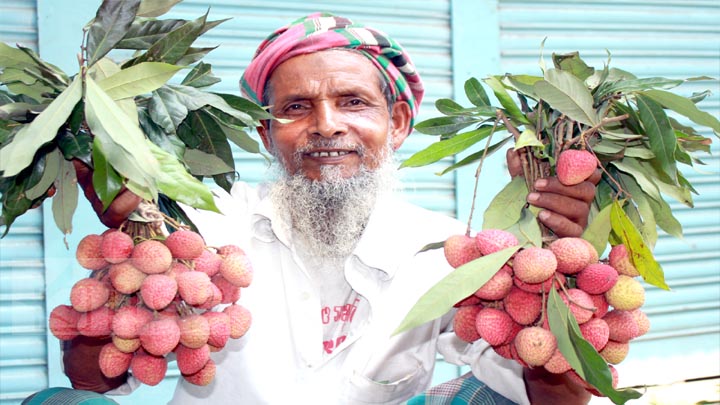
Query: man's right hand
{"x": 119, "y": 210}
{"x": 80, "y": 362}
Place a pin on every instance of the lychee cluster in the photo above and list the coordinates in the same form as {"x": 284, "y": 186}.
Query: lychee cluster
{"x": 155, "y": 297}
{"x": 509, "y": 310}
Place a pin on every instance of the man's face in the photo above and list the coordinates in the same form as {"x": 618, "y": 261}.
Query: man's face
{"x": 339, "y": 115}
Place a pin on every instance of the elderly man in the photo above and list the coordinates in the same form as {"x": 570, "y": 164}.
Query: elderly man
{"x": 334, "y": 251}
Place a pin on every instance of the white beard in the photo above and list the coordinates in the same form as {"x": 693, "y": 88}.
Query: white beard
{"x": 329, "y": 215}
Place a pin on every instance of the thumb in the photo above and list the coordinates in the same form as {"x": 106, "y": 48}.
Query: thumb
{"x": 514, "y": 163}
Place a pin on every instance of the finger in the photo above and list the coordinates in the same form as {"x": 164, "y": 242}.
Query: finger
{"x": 514, "y": 163}
{"x": 573, "y": 209}
{"x": 584, "y": 191}
{"x": 560, "y": 225}
{"x": 595, "y": 177}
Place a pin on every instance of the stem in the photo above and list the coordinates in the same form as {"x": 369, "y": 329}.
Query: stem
{"x": 477, "y": 179}
{"x": 523, "y": 156}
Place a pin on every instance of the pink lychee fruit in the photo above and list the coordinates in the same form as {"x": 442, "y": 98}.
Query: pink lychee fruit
{"x": 126, "y": 345}
{"x": 557, "y": 364}
{"x": 496, "y": 288}
{"x": 494, "y": 325}
{"x": 557, "y": 280}
{"x": 204, "y": 376}
{"x": 622, "y": 324}
{"x": 116, "y": 246}
{"x": 214, "y": 299}
{"x": 113, "y": 362}
{"x": 190, "y": 361}
{"x": 534, "y": 265}
{"x": 572, "y": 254}
{"x": 194, "y": 330}
{"x": 626, "y": 294}
{"x": 88, "y": 294}
{"x": 151, "y": 257}
{"x": 230, "y": 292}
{"x": 125, "y": 277}
{"x": 88, "y": 253}
{"x": 219, "y": 323}
{"x": 149, "y": 369}
{"x": 158, "y": 291}
{"x": 464, "y": 323}
{"x": 194, "y": 287}
{"x": 642, "y": 320}
{"x": 185, "y": 244}
{"x": 596, "y": 278}
{"x": 159, "y": 337}
{"x": 615, "y": 352}
{"x": 96, "y": 323}
{"x": 574, "y": 166}
{"x": 522, "y": 306}
{"x": 596, "y": 331}
{"x": 128, "y": 321}
{"x": 227, "y": 249}
{"x": 535, "y": 345}
{"x": 240, "y": 320}
{"x": 460, "y": 249}
{"x": 620, "y": 260}
{"x": 493, "y": 240}
{"x": 504, "y": 350}
{"x": 208, "y": 262}
{"x": 601, "y": 305}
{"x": 63, "y": 321}
{"x": 236, "y": 269}
{"x": 580, "y": 304}
{"x": 177, "y": 268}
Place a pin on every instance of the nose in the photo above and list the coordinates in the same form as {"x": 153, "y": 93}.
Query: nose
{"x": 328, "y": 121}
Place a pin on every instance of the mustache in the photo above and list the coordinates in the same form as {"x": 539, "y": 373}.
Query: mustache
{"x": 324, "y": 143}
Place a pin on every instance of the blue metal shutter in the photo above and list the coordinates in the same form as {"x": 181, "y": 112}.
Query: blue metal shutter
{"x": 674, "y": 39}
{"x": 23, "y": 365}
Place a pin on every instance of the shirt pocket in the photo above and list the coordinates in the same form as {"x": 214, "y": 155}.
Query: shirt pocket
{"x": 365, "y": 390}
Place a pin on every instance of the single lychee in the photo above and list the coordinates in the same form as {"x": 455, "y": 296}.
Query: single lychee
{"x": 464, "y": 323}
{"x": 460, "y": 249}
{"x": 494, "y": 325}
{"x": 230, "y": 292}
{"x": 594, "y": 257}
{"x": 88, "y": 253}
{"x": 240, "y": 320}
{"x": 151, "y": 257}
{"x": 596, "y": 278}
{"x": 620, "y": 260}
{"x": 185, "y": 244}
{"x": 159, "y": 337}
{"x": 189, "y": 360}
{"x": 580, "y": 304}
{"x": 522, "y": 306}
{"x": 116, "y": 246}
{"x": 96, "y": 323}
{"x": 88, "y": 294}
{"x": 204, "y": 376}
{"x": 63, "y": 321}
{"x": 574, "y": 166}
{"x": 148, "y": 369}
{"x": 557, "y": 280}
{"x": 214, "y": 299}
{"x": 572, "y": 254}
{"x": 219, "y": 323}
{"x": 534, "y": 264}
{"x": 194, "y": 330}
{"x": 227, "y": 249}
{"x": 126, "y": 345}
{"x": 557, "y": 364}
{"x": 535, "y": 345}
{"x": 642, "y": 320}
{"x": 236, "y": 269}
{"x": 496, "y": 288}
{"x": 622, "y": 324}
{"x": 194, "y": 287}
{"x": 504, "y": 350}
{"x": 615, "y": 352}
{"x": 128, "y": 321}
{"x": 158, "y": 291}
{"x": 113, "y": 362}
{"x": 601, "y": 305}
{"x": 596, "y": 331}
{"x": 627, "y": 294}
{"x": 493, "y": 240}
{"x": 208, "y": 262}
{"x": 125, "y": 277}
{"x": 177, "y": 268}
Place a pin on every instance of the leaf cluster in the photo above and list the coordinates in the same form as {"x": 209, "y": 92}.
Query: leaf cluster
{"x": 133, "y": 125}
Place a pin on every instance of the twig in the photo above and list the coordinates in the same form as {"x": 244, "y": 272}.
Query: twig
{"x": 477, "y": 179}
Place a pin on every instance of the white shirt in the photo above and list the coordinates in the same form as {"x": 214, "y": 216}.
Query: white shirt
{"x": 281, "y": 358}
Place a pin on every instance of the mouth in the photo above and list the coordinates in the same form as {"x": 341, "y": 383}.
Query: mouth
{"x": 328, "y": 153}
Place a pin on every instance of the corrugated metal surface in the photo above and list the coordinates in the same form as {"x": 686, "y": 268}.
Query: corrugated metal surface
{"x": 675, "y": 39}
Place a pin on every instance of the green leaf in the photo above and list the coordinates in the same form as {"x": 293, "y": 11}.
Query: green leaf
{"x": 623, "y": 149}
{"x": 457, "y": 285}
{"x": 65, "y": 200}
{"x": 639, "y": 253}
{"x": 19, "y": 153}
{"x": 522, "y": 84}
{"x": 447, "y": 147}
{"x": 75, "y": 146}
{"x": 138, "y": 79}
{"x": 249, "y": 107}
{"x": 661, "y": 135}
{"x": 155, "y": 8}
{"x": 505, "y": 100}
{"x": 432, "y": 246}
{"x": 200, "y": 76}
{"x": 634, "y": 85}
{"x": 207, "y": 136}
{"x": 474, "y": 157}
{"x": 475, "y": 93}
{"x": 598, "y": 230}
{"x": 527, "y": 229}
{"x": 14, "y": 202}
{"x": 51, "y": 170}
{"x": 194, "y": 99}
{"x": 200, "y": 163}
{"x": 648, "y": 225}
{"x": 142, "y": 33}
{"x": 684, "y": 106}
{"x": 193, "y": 55}
{"x": 449, "y": 107}
{"x": 111, "y": 22}
{"x": 13, "y": 57}
{"x": 106, "y": 181}
{"x": 169, "y": 143}
{"x": 528, "y": 138}
{"x": 49, "y": 73}
{"x": 166, "y": 110}
{"x": 445, "y": 125}
{"x": 171, "y": 47}
{"x": 175, "y": 182}
{"x": 505, "y": 209}
{"x": 567, "y": 94}
{"x": 572, "y": 63}
{"x": 640, "y": 173}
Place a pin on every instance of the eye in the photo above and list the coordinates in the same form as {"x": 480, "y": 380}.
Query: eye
{"x": 355, "y": 102}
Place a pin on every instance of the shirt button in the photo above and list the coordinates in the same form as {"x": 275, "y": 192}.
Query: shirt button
{"x": 305, "y": 296}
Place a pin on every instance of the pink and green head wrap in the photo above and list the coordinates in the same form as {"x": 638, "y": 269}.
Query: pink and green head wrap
{"x": 322, "y": 31}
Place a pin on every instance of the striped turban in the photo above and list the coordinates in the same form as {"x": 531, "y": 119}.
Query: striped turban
{"x": 321, "y": 31}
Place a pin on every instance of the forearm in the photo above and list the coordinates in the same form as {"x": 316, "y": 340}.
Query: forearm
{"x": 544, "y": 387}
{"x": 80, "y": 362}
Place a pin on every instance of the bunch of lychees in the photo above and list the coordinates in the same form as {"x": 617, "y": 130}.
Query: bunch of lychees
{"x": 155, "y": 296}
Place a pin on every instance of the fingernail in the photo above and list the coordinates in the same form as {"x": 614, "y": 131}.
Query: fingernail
{"x": 543, "y": 215}
{"x": 541, "y": 183}
{"x": 532, "y": 197}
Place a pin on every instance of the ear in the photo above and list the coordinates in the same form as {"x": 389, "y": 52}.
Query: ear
{"x": 263, "y": 131}
{"x": 401, "y": 116}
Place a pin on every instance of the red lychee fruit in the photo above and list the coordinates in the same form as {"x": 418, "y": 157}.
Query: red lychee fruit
{"x": 580, "y": 304}
{"x": 159, "y": 337}
{"x": 208, "y": 262}
{"x": 230, "y": 292}
{"x": 151, "y": 257}
{"x": 575, "y": 166}
{"x": 149, "y": 369}
{"x": 125, "y": 277}
{"x": 460, "y": 249}
{"x": 63, "y": 321}
{"x": 626, "y": 294}
{"x": 194, "y": 331}
{"x": 128, "y": 321}
{"x": 496, "y": 288}
{"x": 620, "y": 260}
{"x": 493, "y": 240}
{"x": 572, "y": 254}
{"x": 236, "y": 269}
{"x": 504, "y": 350}
{"x": 219, "y": 323}
{"x": 601, "y": 305}
{"x": 96, "y": 323}
{"x": 557, "y": 280}
{"x": 158, "y": 291}
{"x": 240, "y": 320}
{"x": 194, "y": 287}
{"x": 214, "y": 300}
{"x": 642, "y": 320}
{"x": 535, "y": 345}
{"x": 88, "y": 294}
{"x": 596, "y": 331}
{"x": 185, "y": 244}
{"x": 116, "y": 246}
{"x": 88, "y": 253}
{"x": 464, "y": 323}
{"x": 204, "y": 376}
{"x": 522, "y": 306}
{"x": 190, "y": 361}
{"x": 113, "y": 362}
{"x": 227, "y": 249}
{"x": 534, "y": 265}
{"x": 494, "y": 325}
{"x": 557, "y": 364}
{"x": 596, "y": 278}
{"x": 615, "y": 352}
{"x": 622, "y": 324}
